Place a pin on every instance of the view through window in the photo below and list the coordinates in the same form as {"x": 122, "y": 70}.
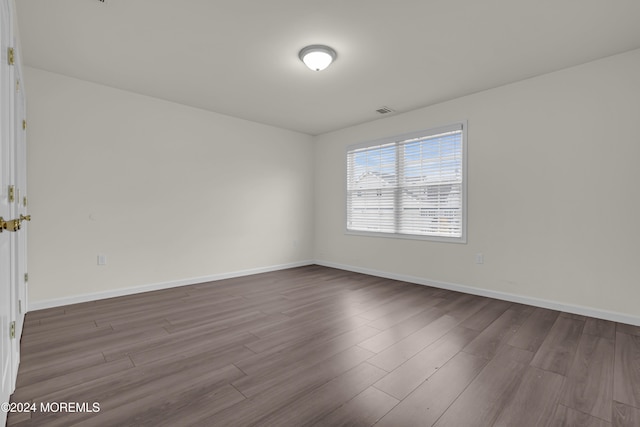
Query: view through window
{"x": 409, "y": 186}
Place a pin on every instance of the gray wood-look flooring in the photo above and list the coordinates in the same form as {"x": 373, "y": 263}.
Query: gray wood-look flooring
{"x": 325, "y": 347}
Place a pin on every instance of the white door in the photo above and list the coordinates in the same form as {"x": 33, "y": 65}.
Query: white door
{"x": 13, "y": 207}
{"x": 6, "y": 285}
{"x": 6, "y": 365}
{"x": 19, "y": 208}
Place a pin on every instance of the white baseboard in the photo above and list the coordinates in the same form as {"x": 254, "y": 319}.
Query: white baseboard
{"x": 57, "y": 302}
{"x": 522, "y": 299}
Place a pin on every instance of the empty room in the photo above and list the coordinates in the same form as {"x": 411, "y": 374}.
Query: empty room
{"x": 306, "y": 213}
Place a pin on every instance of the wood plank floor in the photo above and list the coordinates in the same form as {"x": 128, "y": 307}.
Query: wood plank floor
{"x": 325, "y": 347}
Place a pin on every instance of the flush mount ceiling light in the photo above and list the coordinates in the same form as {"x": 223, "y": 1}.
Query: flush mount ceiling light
{"x": 317, "y": 57}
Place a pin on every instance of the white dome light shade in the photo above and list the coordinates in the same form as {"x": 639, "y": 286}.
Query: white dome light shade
{"x": 317, "y": 57}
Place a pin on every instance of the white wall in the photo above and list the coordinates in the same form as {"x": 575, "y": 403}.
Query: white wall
{"x": 166, "y": 192}
{"x": 554, "y": 198}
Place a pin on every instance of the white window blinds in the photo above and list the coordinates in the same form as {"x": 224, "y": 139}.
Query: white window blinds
{"x": 412, "y": 185}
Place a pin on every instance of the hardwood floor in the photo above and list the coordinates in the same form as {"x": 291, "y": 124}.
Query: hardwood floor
{"x": 324, "y": 347}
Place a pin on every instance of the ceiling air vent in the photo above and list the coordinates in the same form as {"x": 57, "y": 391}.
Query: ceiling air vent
{"x": 384, "y": 110}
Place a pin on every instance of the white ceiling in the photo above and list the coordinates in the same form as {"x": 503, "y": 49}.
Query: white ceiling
{"x": 240, "y": 57}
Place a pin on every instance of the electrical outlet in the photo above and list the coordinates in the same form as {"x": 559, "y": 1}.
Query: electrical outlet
{"x": 479, "y": 258}
{"x": 102, "y": 260}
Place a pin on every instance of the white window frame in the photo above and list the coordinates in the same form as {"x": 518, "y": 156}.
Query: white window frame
{"x": 461, "y": 125}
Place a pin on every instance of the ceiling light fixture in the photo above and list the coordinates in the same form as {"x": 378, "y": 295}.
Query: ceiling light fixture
{"x": 317, "y": 57}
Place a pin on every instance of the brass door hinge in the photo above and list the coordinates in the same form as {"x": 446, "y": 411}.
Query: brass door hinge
{"x": 11, "y": 56}
{"x": 17, "y": 85}
{"x": 24, "y": 124}
{"x": 12, "y": 330}
{"x": 12, "y": 193}
{"x": 24, "y": 201}
{"x": 26, "y": 277}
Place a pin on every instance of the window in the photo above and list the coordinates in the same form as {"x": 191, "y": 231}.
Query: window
{"x": 409, "y": 186}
